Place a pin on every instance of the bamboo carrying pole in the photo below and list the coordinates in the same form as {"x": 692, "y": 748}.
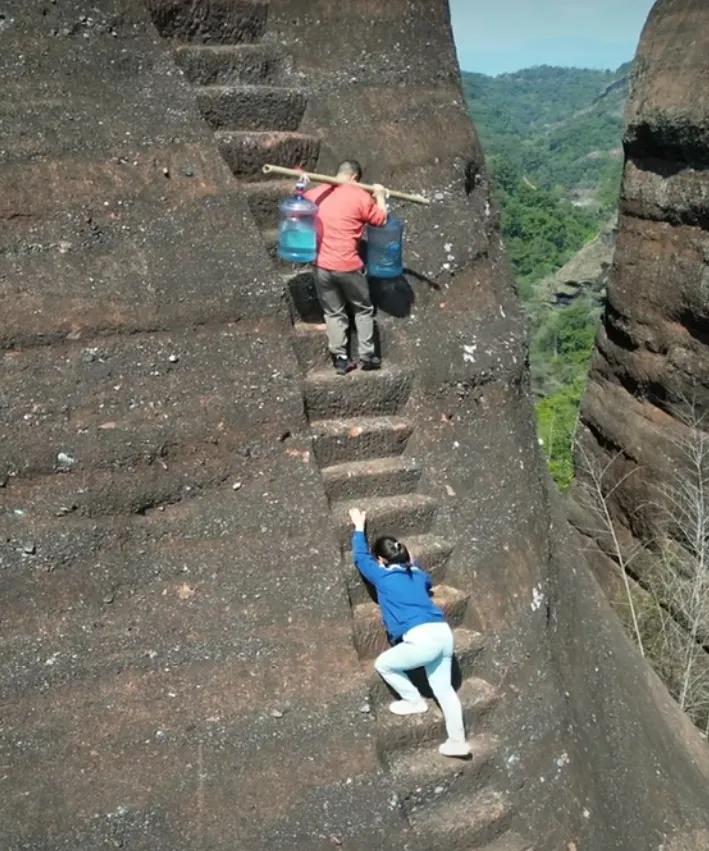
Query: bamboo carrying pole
{"x": 337, "y": 181}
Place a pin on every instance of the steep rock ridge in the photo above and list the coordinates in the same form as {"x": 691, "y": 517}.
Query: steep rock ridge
{"x": 172, "y": 676}
{"x": 186, "y": 650}
{"x": 652, "y": 360}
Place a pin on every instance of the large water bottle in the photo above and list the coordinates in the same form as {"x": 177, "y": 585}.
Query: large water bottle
{"x": 297, "y": 234}
{"x": 385, "y": 249}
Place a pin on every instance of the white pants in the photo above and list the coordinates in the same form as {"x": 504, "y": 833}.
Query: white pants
{"x": 428, "y": 646}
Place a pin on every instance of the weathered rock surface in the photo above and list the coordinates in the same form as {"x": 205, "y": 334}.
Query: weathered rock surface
{"x": 178, "y": 663}
{"x": 586, "y": 274}
{"x": 652, "y": 360}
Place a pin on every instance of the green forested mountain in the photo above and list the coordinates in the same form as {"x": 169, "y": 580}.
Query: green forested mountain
{"x": 552, "y": 138}
{"x": 560, "y": 127}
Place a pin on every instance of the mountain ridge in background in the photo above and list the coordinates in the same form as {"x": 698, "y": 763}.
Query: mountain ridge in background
{"x": 559, "y": 127}
{"x": 553, "y": 142}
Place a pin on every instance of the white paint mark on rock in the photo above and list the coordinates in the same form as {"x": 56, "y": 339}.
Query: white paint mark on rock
{"x": 537, "y": 598}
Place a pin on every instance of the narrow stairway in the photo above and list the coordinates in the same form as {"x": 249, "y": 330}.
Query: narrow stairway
{"x": 360, "y": 434}
{"x": 244, "y": 95}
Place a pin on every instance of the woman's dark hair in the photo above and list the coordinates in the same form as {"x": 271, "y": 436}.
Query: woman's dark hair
{"x": 392, "y": 551}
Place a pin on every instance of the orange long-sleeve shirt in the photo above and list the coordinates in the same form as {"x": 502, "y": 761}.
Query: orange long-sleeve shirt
{"x": 343, "y": 211}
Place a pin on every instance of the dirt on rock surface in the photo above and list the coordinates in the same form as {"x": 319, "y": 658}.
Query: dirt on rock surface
{"x": 179, "y": 668}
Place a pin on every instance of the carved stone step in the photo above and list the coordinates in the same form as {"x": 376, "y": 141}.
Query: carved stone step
{"x": 219, "y": 21}
{"x": 400, "y": 515}
{"x": 230, "y": 64}
{"x": 369, "y": 636}
{"x": 464, "y": 821}
{"x": 310, "y": 338}
{"x": 507, "y": 842}
{"x": 359, "y": 393}
{"x": 251, "y": 107}
{"x": 403, "y": 733}
{"x": 468, "y": 644}
{"x": 372, "y": 478}
{"x": 245, "y": 152}
{"x": 423, "y": 774}
{"x": 270, "y": 238}
{"x": 429, "y": 551}
{"x": 310, "y": 343}
{"x": 263, "y": 198}
{"x": 336, "y": 441}
{"x": 310, "y": 335}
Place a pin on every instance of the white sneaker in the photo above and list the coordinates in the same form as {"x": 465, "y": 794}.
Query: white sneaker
{"x": 408, "y": 707}
{"x": 453, "y": 747}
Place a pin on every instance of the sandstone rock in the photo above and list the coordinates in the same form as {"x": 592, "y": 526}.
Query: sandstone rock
{"x": 648, "y": 380}
{"x": 263, "y": 616}
{"x": 652, "y": 356}
{"x": 585, "y": 274}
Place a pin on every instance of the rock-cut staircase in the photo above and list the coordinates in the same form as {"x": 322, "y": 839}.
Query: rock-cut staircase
{"x": 360, "y": 434}
{"x": 244, "y": 95}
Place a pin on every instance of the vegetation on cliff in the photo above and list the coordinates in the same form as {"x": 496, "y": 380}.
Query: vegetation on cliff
{"x": 552, "y": 138}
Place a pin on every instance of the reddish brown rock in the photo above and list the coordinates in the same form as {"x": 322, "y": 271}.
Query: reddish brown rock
{"x": 178, "y": 665}
{"x": 649, "y": 372}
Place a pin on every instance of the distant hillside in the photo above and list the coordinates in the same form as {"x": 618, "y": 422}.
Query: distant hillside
{"x": 552, "y": 137}
{"x": 558, "y": 127}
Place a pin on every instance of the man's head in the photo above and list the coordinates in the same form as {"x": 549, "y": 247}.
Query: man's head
{"x": 350, "y": 170}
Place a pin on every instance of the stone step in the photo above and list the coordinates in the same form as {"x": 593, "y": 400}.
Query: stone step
{"x": 304, "y": 304}
{"x": 310, "y": 344}
{"x": 118, "y": 402}
{"x": 111, "y": 491}
{"x": 245, "y": 152}
{"x": 310, "y": 337}
{"x": 429, "y": 551}
{"x": 337, "y": 441}
{"x": 270, "y": 240}
{"x": 375, "y": 477}
{"x": 400, "y": 515}
{"x": 507, "y": 842}
{"x": 229, "y": 64}
{"x": 468, "y": 644}
{"x": 219, "y": 21}
{"x": 263, "y": 198}
{"x": 359, "y": 393}
{"x": 403, "y": 733}
{"x": 369, "y": 636}
{"x": 251, "y": 107}
{"x": 462, "y": 821}
{"x": 423, "y": 774}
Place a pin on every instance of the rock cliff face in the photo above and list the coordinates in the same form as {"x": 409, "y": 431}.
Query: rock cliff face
{"x": 186, "y": 656}
{"x": 585, "y": 275}
{"x": 652, "y": 360}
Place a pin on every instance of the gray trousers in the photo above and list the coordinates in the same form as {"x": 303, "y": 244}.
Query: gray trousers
{"x": 337, "y": 290}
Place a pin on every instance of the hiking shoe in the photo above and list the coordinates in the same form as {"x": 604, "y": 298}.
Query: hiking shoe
{"x": 368, "y": 364}
{"x": 342, "y": 364}
{"x": 408, "y": 707}
{"x": 451, "y": 747}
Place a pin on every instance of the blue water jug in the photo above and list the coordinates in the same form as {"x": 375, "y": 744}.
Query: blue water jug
{"x": 297, "y": 234}
{"x": 384, "y": 249}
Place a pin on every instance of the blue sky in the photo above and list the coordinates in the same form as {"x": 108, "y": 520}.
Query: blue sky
{"x": 497, "y": 36}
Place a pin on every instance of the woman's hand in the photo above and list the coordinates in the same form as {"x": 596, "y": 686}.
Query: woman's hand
{"x": 358, "y": 519}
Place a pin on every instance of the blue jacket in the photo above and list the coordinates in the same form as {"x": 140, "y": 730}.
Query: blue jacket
{"x": 404, "y": 599}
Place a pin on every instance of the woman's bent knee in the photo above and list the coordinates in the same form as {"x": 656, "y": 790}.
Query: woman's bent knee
{"x": 380, "y": 664}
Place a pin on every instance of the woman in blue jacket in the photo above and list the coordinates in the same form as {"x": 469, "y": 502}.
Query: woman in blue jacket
{"x": 416, "y": 628}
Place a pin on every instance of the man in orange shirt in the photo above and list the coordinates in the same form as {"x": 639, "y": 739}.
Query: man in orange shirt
{"x": 343, "y": 211}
